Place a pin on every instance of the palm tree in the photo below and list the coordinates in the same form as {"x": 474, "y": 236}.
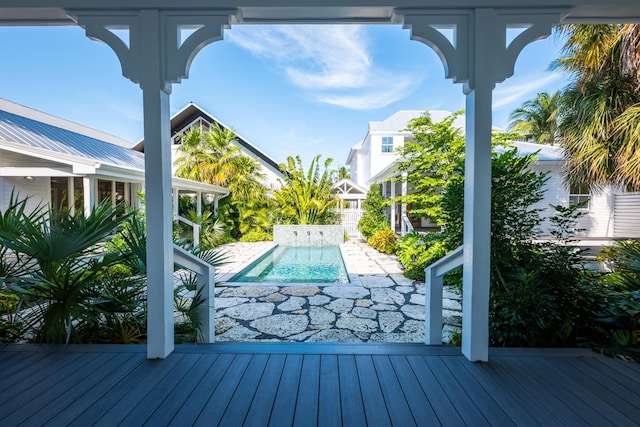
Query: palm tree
{"x": 211, "y": 157}
{"x": 601, "y": 118}
{"x": 306, "y": 198}
{"x": 537, "y": 118}
{"x": 208, "y": 156}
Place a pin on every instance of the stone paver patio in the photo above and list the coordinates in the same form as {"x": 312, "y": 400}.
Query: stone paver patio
{"x": 380, "y": 305}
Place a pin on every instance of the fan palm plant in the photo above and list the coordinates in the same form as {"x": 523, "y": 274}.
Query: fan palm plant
{"x": 538, "y": 118}
{"x": 65, "y": 265}
{"x": 601, "y": 108}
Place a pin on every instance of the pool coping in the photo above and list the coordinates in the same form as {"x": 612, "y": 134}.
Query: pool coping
{"x": 223, "y": 280}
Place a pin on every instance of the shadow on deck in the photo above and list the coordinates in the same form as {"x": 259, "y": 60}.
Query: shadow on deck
{"x": 281, "y": 384}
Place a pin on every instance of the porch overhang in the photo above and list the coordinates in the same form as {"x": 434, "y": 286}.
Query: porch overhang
{"x": 53, "y": 12}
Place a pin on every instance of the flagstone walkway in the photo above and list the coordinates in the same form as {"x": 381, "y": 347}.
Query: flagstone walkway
{"x": 380, "y": 305}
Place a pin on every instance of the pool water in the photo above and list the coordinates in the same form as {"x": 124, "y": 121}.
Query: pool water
{"x": 297, "y": 264}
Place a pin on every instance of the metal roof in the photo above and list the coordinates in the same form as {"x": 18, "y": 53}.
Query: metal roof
{"x": 398, "y": 121}
{"x": 543, "y": 153}
{"x": 37, "y": 134}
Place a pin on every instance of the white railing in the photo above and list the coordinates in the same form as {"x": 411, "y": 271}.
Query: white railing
{"x": 407, "y": 223}
{"x": 205, "y": 282}
{"x": 434, "y": 275}
{"x": 194, "y": 227}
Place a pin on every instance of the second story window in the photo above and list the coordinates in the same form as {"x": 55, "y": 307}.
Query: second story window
{"x": 579, "y": 195}
{"x": 387, "y": 144}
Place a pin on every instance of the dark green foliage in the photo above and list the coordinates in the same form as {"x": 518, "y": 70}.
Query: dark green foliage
{"x": 383, "y": 241}
{"x": 620, "y": 326}
{"x": 374, "y": 216}
{"x": 625, "y": 256}
{"x": 540, "y": 294}
{"x": 620, "y": 319}
{"x": 416, "y": 251}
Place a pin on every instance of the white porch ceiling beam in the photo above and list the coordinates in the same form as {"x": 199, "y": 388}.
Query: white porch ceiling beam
{"x": 31, "y": 171}
{"x": 52, "y": 12}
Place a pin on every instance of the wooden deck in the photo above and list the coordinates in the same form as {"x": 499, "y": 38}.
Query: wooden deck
{"x": 281, "y": 384}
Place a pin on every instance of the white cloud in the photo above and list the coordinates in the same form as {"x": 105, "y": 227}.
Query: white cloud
{"x": 508, "y": 94}
{"x": 332, "y": 63}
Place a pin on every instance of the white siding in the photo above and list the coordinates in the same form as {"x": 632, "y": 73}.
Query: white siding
{"x": 38, "y": 189}
{"x": 378, "y": 159}
{"x": 598, "y": 222}
{"x": 555, "y": 193}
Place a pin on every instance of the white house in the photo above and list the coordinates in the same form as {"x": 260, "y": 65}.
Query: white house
{"x": 193, "y": 116}
{"x": 378, "y": 148}
{"x": 608, "y": 212}
{"x": 66, "y": 165}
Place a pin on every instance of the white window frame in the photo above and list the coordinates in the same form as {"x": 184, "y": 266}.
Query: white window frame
{"x": 386, "y": 145}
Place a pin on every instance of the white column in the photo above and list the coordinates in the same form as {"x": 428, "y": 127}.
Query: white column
{"x": 393, "y": 206}
{"x": 199, "y": 203}
{"x": 477, "y": 191}
{"x": 403, "y": 206}
{"x": 176, "y": 208}
{"x": 157, "y": 155}
{"x": 113, "y": 193}
{"x": 89, "y": 194}
{"x": 127, "y": 193}
{"x": 71, "y": 196}
{"x": 215, "y": 204}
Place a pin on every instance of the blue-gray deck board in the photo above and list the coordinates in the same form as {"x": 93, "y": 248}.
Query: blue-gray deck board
{"x": 315, "y": 384}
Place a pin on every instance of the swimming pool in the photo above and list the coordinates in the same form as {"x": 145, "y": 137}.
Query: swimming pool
{"x": 297, "y": 264}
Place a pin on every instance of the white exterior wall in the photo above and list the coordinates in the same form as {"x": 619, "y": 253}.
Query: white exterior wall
{"x": 39, "y": 189}
{"x": 598, "y": 222}
{"x": 377, "y": 159}
{"x": 555, "y": 193}
{"x": 598, "y": 218}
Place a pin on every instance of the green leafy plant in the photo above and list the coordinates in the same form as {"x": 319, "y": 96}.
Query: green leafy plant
{"x": 416, "y": 251}
{"x": 256, "y": 236}
{"x": 383, "y": 241}
{"x": 306, "y": 198}
{"x": 374, "y": 216}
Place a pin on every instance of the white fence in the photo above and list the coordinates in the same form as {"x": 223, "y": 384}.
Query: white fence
{"x": 350, "y": 218}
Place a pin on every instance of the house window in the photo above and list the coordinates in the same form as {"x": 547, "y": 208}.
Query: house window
{"x": 59, "y": 194}
{"x": 387, "y": 144}
{"x": 78, "y": 192}
{"x": 579, "y": 194}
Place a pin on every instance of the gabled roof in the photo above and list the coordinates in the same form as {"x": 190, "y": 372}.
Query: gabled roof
{"x": 192, "y": 112}
{"x": 40, "y": 131}
{"x": 397, "y": 122}
{"x": 345, "y": 188}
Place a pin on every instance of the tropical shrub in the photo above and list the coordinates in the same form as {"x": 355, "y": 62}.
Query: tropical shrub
{"x": 306, "y": 198}
{"x": 429, "y": 159}
{"x": 80, "y": 283}
{"x": 383, "y": 241}
{"x": 374, "y": 217}
{"x": 416, "y": 251}
{"x": 619, "y": 321}
{"x": 256, "y": 236}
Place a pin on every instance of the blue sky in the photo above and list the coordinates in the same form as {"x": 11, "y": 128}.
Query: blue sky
{"x": 289, "y": 90}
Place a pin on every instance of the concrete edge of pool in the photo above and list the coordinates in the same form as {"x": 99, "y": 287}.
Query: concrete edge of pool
{"x": 224, "y": 279}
